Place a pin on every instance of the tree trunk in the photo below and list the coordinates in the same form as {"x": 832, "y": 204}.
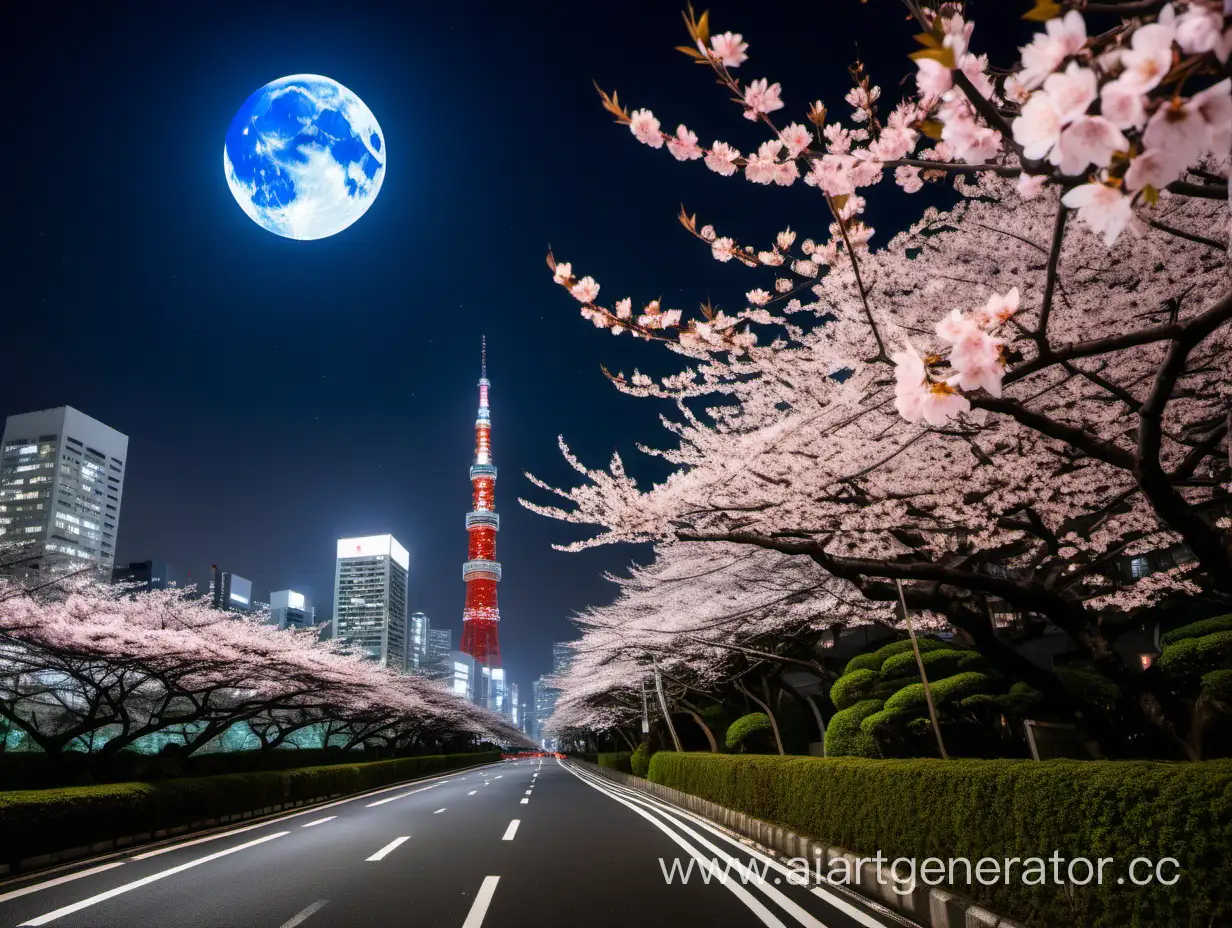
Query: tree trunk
{"x": 714, "y": 745}
{"x": 765, "y": 707}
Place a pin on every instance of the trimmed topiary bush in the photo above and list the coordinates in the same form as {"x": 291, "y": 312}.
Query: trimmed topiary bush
{"x": 844, "y": 737}
{"x": 616, "y": 760}
{"x": 749, "y": 731}
{"x": 853, "y": 687}
{"x": 938, "y": 663}
{"x": 1193, "y": 657}
{"x": 1200, "y": 629}
{"x": 862, "y": 662}
{"x": 1000, "y": 809}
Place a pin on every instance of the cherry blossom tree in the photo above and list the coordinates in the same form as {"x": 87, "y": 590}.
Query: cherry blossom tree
{"x": 1001, "y": 403}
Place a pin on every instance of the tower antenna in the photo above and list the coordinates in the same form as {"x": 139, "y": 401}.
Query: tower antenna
{"x": 483, "y": 356}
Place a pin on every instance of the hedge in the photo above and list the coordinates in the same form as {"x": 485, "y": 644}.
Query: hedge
{"x": 1002, "y": 809}
{"x": 42, "y": 821}
{"x": 617, "y": 760}
{"x": 639, "y": 763}
{"x": 1199, "y": 629}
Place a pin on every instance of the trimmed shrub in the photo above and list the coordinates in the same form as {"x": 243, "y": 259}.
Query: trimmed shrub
{"x": 46, "y": 820}
{"x": 748, "y": 730}
{"x": 945, "y": 690}
{"x": 1217, "y": 685}
{"x": 862, "y": 662}
{"x": 1191, "y": 657}
{"x": 1200, "y": 629}
{"x": 616, "y": 760}
{"x": 885, "y": 652}
{"x": 639, "y": 762}
{"x": 939, "y": 663}
{"x": 1000, "y": 809}
{"x": 852, "y": 687}
{"x": 844, "y": 737}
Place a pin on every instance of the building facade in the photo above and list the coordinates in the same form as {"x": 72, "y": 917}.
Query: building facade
{"x": 230, "y": 591}
{"x": 147, "y": 575}
{"x": 62, "y": 484}
{"x": 370, "y": 592}
{"x": 289, "y": 609}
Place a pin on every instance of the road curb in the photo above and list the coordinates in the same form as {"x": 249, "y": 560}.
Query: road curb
{"x": 928, "y": 906}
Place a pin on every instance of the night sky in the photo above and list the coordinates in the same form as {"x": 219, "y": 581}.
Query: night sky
{"x": 280, "y": 394}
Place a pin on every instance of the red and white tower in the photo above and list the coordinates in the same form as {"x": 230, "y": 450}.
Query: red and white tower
{"x": 482, "y": 571}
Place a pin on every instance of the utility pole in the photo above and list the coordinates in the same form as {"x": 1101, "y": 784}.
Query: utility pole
{"x": 667, "y": 715}
{"x": 928, "y": 692}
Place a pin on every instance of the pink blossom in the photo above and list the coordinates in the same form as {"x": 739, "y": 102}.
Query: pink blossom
{"x": 832, "y": 173}
{"x": 723, "y": 249}
{"x": 861, "y": 101}
{"x": 786, "y": 173}
{"x": 683, "y": 145}
{"x": 1181, "y": 130}
{"x": 998, "y": 309}
{"x": 1215, "y": 106}
{"x": 1071, "y": 92}
{"x": 975, "y": 68}
{"x": 645, "y": 128}
{"x": 782, "y": 285}
{"x": 941, "y": 403}
{"x": 761, "y": 168}
{"x": 1200, "y": 29}
{"x": 893, "y": 144}
{"x": 1105, "y": 209}
{"x": 1038, "y": 128}
{"x": 797, "y": 138}
{"x": 624, "y": 308}
{"x": 1064, "y": 37}
{"x": 838, "y": 139}
{"x": 1149, "y": 56}
{"x": 908, "y": 178}
{"x": 762, "y": 97}
{"x": 972, "y": 142}
{"x": 730, "y": 48}
{"x": 708, "y": 233}
{"x": 1156, "y": 167}
{"x": 932, "y": 78}
{"x": 867, "y": 169}
{"x": 785, "y": 239}
{"x": 1030, "y": 185}
{"x": 1015, "y": 92}
{"x": 585, "y": 290}
{"x": 1123, "y": 104}
{"x": 910, "y": 383}
{"x": 1087, "y": 140}
{"x": 564, "y": 271}
{"x": 722, "y": 159}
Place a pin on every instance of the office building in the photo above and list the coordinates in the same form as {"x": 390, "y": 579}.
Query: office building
{"x": 231, "y": 592}
{"x": 147, "y": 575}
{"x": 370, "y": 590}
{"x": 61, "y": 486}
{"x": 543, "y": 697}
{"x": 462, "y": 674}
{"x": 562, "y": 657}
{"x": 419, "y": 643}
{"x": 514, "y": 706}
{"x": 289, "y": 609}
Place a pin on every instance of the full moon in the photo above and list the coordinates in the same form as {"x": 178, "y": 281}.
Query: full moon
{"x": 304, "y": 157}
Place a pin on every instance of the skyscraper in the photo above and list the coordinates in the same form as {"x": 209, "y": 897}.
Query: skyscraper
{"x": 543, "y": 698}
{"x": 562, "y": 657}
{"x": 61, "y": 485}
{"x": 147, "y": 575}
{"x": 482, "y": 572}
{"x": 289, "y": 609}
{"x": 231, "y": 592}
{"x": 370, "y": 597}
{"x": 419, "y": 643}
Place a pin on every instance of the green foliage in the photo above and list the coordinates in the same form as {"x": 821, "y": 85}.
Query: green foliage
{"x": 1020, "y": 699}
{"x": 1091, "y": 686}
{"x": 616, "y": 760}
{"x": 45, "y": 820}
{"x": 884, "y": 723}
{"x": 945, "y": 691}
{"x": 639, "y": 763}
{"x": 884, "y": 653}
{"x": 862, "y": 662}
{"x": 938, "y": 663}
{"x": 1193, "y": 657}
{"x": 845, "y": 738}
{"x": 1221, "y": 623}
{"x": 742, "y": 733}
{"x": 852, "y": 687}
{"x": 1002, "y": 808}
{"x": 1217, "y": 685}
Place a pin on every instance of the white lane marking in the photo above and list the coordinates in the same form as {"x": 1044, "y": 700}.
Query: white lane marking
{"x": 305, "y": 914}
{"x": 512, "y": 829}
{"x": 525, "y": 800}
{"x": 273, "y": 821}
{"x": 498, "y": 776}
{"x": 765, "y": 915}
{"x": 320, "y": 821}
{"x": 381, "y": 802}
{"x": 440, "y": 810}
{"x": 389, "y": 848}
{"x": 527, "y": 793}
{"x": 13, "y": 894}
{"x": 145, "y": 880}
{"x": 472, "y": 792}
{"x": 672, "y": 812}
{"x": 479, "y": 908}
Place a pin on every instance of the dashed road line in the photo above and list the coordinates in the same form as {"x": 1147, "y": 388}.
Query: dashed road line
{"x": 389, "y": 848}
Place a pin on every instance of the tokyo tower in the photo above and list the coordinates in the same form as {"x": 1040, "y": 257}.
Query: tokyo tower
{"x": 482, "y": 571}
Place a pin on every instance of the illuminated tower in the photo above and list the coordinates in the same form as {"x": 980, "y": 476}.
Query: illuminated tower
{"x": 482, "y": 571}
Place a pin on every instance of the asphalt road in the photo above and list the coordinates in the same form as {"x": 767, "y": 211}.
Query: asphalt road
{"x": 530, "y": 842}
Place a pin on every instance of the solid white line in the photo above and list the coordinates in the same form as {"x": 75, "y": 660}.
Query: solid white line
{"x": 498, "y": 776}
{"x": 391, "y": 846}
{"x": 512, "y": 829}
{"x": 320, "y": 821}
{"x": 479, "y": 908}
{"x": 13, "y": 894}
{"x": 381, "y": 802}
{"x": 440, "y": 810}
{"x": 823, "y": 892}
{"x": 136, "y": 884}
{"x": 306, "y": 914}
{"x": 472, "y": 792}
{"x": 525, "y": 800}
{"x": 765, "y": 915}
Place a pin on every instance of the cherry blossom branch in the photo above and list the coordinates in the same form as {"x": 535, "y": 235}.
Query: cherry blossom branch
{"x": 1050, "y": 280}
{"x": 1189, "y": 236}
